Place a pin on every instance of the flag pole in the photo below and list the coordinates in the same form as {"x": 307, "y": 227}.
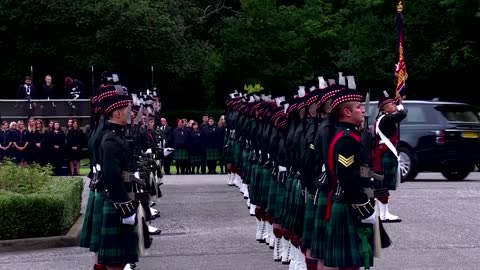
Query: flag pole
{"x": 400, "y": 67}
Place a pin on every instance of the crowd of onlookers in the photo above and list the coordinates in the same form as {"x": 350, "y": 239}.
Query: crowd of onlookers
{"x": 34, "y": 143}
{"x": 198, "y": 146}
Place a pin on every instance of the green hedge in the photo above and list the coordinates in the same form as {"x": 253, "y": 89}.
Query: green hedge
{"x": 50, "y": 209}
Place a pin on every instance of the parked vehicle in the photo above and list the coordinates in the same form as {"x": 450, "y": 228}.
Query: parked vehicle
{"x": 437, "y": 136}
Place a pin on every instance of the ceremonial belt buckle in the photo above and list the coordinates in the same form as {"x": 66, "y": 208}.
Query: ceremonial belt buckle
{"x": 126, "y": 177}
{"x": 366, "y": 172}
{"x": 93, "y": 183}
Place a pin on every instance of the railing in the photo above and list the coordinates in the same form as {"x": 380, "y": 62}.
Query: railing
{"x": 53, "y": 109}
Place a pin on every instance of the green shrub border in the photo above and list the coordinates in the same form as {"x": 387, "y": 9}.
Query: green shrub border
{"x": 49, "y": 212}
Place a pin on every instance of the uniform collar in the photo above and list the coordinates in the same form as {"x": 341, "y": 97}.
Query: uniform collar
{"x": 349, "y": 126}
{"x": 115, "y": 127}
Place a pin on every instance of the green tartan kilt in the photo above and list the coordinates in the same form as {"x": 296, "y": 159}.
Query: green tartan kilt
{"x": 272, "y": 196}
{"x": 97, "y": 221}
{"x": 308, "y": 221}
{"x": 280, "y": 193}
{"x": 246, "y": 166}
{"x": 228, "y": 152}
{"x": 118, "y": 242}
{"x": 255, "y": 168}
{"x": 266, "y": 179}
{"x": 343, "y": 245}
{"x": 180, "y": 154}
{"x": 299, "y": 208}
{"x": 319, "y": 226}
{"x": 87, "y": 221}
{"x": 237, "y": 153}
{"x": 390, "y": 167}
{"x": 286, "y": 212}
{"x": 213, "y": 154}
{"x": 195, "y": 159}
{"x": 295, "y": 206}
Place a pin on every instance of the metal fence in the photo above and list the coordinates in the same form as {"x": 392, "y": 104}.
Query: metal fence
{"x": 54, "y": 109}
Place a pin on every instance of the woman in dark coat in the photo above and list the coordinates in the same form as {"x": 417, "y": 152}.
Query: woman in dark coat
{"x": 222, "y": 126}
{"x": 39, "y": 149}
{"x": 21, "y": 141}
{"x": 5, "y": 141}
{"x": 75, "y": 139}
{"x": 181, "y": 143}
{"x": 197, "y": 149}
{"x": 56, "y": 143}
{"x": 213, "y": 153}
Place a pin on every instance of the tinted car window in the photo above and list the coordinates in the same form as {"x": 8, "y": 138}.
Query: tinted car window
{"x": 416, "y": 114}
{"x": 459, "y": 113}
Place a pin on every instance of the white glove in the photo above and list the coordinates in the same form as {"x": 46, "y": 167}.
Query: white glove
{"x": 149, "y": 151}
{"x": 168, "y": 151}
{"x": 129, "y": 220}
{"x": 282, "y": 169}
{"x": 371, "y": 219}
{"x": 136, "y": 174}
{"x": 400, "y": 107}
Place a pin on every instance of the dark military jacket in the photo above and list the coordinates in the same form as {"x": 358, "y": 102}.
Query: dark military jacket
{"x": 346, "y": 162}
{"x": 290, "y": 145}
{"x": 114, "y": 161}
{"x": 299, "y": 141}
{"x": 311, "y": 166}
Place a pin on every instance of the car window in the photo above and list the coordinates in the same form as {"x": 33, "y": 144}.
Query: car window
{"x": 416, "y": 115}
{"x": 459, "y": 113}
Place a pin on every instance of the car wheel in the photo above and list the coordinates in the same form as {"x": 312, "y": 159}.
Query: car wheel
{"x": 456, "y": 173}
{"x": 407, "y": 164}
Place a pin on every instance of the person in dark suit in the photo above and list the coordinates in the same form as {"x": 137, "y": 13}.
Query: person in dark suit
{"x": 168, "y": 142}
{"x": 27, "y": 90}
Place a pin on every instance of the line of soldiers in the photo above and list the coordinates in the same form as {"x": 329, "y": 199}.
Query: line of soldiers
{"x": 125, "y": 177}
{"x": 314, "y": 176}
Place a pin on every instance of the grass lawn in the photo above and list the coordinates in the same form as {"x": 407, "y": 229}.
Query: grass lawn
{"x": 85, "y": 169}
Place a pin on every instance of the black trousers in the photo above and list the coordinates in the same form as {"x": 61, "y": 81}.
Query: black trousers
{"x": 212, "y": 166}
{"x": 166, "y": 164}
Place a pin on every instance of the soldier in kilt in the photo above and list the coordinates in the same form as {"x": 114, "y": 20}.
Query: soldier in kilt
{"x": 265, "y": 162}
{"x": 297, "y": 193}
{"x": 244, "y": 133}
{"x": 309, "y": 172}
{"x": 280, "y": 251}
{"x": 228, "y": 140}
{"x": 239, "y": 148}
{"x": 92, "y": 225}
{"x": 118, "y": 240}
{"x": 286, "y": 197}
{"x": 256, "y": 172}
{"x": 181, "y": 143}
{"x": 386, "y": 154}
{"x": 321, "y": 144}
{"x": 350, "y": 210}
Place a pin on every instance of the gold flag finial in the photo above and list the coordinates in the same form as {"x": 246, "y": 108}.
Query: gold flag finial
{"x": 400, "y": 7}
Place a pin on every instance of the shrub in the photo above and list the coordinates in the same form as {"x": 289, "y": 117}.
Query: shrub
{"x": 24, "y": 180}
{"x": 39, "y": 204}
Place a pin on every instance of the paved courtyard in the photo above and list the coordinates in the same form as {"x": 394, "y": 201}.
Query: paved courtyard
{"x": 206, "y": 225}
